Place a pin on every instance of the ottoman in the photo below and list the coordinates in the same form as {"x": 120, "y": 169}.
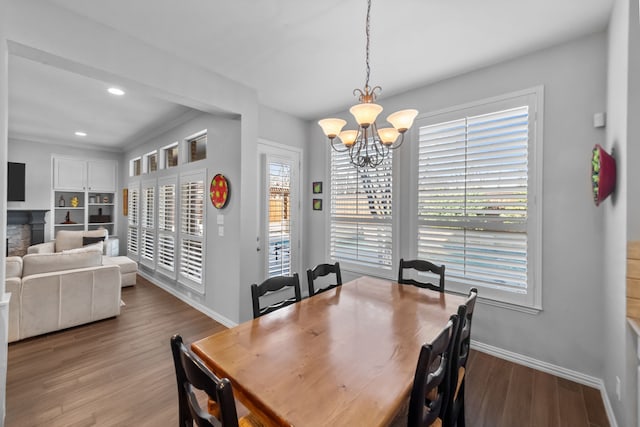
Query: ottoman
{"x": 128, "y": 268}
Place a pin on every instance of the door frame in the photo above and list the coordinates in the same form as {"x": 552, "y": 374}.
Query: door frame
{"x": 267, "y": 147}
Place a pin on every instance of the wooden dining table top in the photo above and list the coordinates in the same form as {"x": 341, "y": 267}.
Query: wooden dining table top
{"x": 344, "y": 357}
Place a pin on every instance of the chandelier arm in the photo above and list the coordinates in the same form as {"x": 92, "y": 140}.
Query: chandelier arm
{"x": 334, "y": 147}
{"x": 397, "y": 145}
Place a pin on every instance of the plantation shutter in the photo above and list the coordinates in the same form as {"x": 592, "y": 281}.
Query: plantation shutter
{"x": 361, "y": 214}
{"x": 147, "y": 250}
{"x": 192, "y": 230}
{"x": 132, "y": 220}
{"x": 166, "y": 226}
{"x": 473, "y": 198}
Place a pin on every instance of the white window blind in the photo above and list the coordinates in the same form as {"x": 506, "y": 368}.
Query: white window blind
{"x": 132, "y": 220}
{"x": 361, "y": 214}
{"x": 166, "y": 226}
{"x": 147, "y": 249}
{"x": 474, "y": 199}
{"x": 192, "y": 217}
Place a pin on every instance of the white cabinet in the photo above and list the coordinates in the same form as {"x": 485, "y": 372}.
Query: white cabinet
{"x": 84, "y": 194}
{"x": 78, "y": 174}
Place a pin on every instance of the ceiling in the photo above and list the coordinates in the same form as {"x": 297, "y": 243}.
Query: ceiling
{"x": 302, "y": 57}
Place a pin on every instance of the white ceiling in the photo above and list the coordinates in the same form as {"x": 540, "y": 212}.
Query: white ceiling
{"x": 303, "y": 57}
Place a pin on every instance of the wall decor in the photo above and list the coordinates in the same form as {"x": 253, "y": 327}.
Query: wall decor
{"x": 125, "y": 201}
{"x": 317, "y": 187}
{"x": 317, "y": 204}
{"x": 219, "y": 191}
{"x": 603, "y": 174}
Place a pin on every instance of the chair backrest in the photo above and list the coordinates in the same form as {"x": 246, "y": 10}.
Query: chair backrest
{"x": 460, "y": 357}
{"x": 431, "y": 384}
{"x": 271, "y": 285}
{"x": 191, "y": 373}
{"x": 424, "y": 266}
{"x": 322, "y": 270}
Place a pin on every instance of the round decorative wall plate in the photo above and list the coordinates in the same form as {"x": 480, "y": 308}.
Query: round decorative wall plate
{"x": 219, "y": 191}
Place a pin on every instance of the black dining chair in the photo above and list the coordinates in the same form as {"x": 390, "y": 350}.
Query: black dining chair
{"x": 431, "y": 389}
{"x": 191, "y": 375}
{"x": 271, "y": 285}
{"x": 455, "y": 409}
{"x": 423, "y": 266}
{"x": 322, "y": 270}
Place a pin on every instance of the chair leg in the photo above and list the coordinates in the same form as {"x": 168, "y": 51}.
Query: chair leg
{"x": 460, "y": 422}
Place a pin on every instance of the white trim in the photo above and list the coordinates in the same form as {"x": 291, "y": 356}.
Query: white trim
{"x": 201, "y": 308}
{"x": 552, "y": 369}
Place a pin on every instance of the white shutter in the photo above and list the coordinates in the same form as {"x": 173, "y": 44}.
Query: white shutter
{"x": 148, "y": 232}
{"x": 166, "y": 226}
{"x": 361, "y": 214}
{"x": 473, "y": 198}
{"x": 132, "y": 220}
{"x": 192, "y": 218}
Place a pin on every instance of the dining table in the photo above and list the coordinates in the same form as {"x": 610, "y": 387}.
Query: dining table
{"x": 344, "y": 357}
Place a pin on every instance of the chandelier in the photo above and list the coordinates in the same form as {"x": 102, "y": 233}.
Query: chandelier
{"x": 369, "y": 145}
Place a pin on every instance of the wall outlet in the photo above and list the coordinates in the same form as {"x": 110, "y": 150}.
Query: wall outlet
{"x": 618, "y": 388}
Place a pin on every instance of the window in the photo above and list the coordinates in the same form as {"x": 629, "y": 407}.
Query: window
{"x": 167, "y": 226}
{"x": 132, "y": 221}
{"x": 170, "y": 156}
{"x": 148, "y": 232}
{"x": 151, "y": 162}
{"x": 197, "y": 146}
{"x": 476, "y": 191}
{"x": 361, "y": 214}
{"x": 192, "y": 217}
{"x": 135, "y": 168}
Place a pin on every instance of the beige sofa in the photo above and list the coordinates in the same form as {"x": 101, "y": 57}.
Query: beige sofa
{"x": 52, "y": 291}
{"x": 73, "y": 239}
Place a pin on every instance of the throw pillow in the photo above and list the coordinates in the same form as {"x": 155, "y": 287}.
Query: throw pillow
{"x": 97, "y": 247}
{"x": 89, "y": 240}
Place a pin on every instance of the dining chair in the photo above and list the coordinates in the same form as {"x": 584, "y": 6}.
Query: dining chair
{"x": 424, "y": 266}
{"x": 271, "y": 285}
{"x": 454, "y": 415}
{"x": 192, "y": 374}
{"x": 322, "y": 270}
{"x": 431, "y": 385}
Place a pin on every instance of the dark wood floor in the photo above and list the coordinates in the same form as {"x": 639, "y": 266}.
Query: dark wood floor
{"x": 119, "y": 372}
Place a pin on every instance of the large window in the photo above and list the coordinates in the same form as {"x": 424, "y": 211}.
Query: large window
{"x": 167, "y": 226}
{"x": 360, "y": 216}
{"x": 147, "y": 222}
{"x": 192, "y": 217}
{"x": 133, "y": 214}
{"x": 477, "y": 168}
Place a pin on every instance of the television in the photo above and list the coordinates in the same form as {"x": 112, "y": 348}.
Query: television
{"x": 15, "y": 182}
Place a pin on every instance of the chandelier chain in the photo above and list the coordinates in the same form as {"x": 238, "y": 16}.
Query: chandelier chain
{"x": 366, "y": 84}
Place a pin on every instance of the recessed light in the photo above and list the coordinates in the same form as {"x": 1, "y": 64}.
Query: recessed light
{"x": 80, "y": 133}
{"x": 115, "y": 91}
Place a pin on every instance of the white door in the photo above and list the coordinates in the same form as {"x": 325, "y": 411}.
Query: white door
{"x": 280, "y": 210}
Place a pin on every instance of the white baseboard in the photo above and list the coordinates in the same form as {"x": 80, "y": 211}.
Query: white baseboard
{"x": 201, "y": 308}
{"x": 552, "y": 369}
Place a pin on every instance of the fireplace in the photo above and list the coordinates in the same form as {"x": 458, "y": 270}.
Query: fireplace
{"x": 25, "y": 227}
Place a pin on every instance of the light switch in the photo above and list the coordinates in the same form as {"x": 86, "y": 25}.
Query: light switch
{"x": 220, "y": 219}
{"x": 221, "y": 231}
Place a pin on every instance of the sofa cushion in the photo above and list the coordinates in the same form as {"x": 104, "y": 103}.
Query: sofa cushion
{"x": 71, "y": 239}
{"x": 60, "y": 261}
{"x": 14, "y": 267}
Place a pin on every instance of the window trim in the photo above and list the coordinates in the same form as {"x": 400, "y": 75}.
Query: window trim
{"x": 145, "y": 162}
{"x": 533, "y": 300}
{"x": 186, "y": 142}
{"x": 163, "y": 156}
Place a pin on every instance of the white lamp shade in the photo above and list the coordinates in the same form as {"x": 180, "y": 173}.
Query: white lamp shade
{"x": 332, "y": 127}
{"x": 348, "y": 137}
{"x": 365, "y": 113}
{"x": 388, "y": 135}
{"x": 403, "y": 119}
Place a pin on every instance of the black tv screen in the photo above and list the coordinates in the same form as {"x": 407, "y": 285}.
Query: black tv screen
{"x": 15, "y": 182}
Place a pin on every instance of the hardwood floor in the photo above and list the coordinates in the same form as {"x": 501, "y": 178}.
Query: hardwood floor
{"x": 119, "y": 372}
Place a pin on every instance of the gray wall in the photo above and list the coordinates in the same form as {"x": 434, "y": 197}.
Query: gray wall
{"x": 39, "y": 175}
{"x": 223, "y": 156}
{"x": 574, "y": 77}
